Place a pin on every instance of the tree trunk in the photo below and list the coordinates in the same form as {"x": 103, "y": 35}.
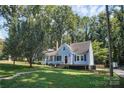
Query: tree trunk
{"x": 122, "y": 29}
{"x": 57, "y": 45}
{"x": 109, "y": 43}
{"x": 72, "y": 39}
{"x": 30, "y": 61}
{"x": 118, "y": 56}
{"x": 86, "y": 34}
{"x": 14, "y": 59}
{"x": 59, "y": 42}
{"x": 13, "y": 62}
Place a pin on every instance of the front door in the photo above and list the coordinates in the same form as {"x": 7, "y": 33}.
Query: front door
{"x": 66, "y": 59}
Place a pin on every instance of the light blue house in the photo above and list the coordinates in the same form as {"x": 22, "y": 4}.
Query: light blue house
{"x": 75, "y": 54}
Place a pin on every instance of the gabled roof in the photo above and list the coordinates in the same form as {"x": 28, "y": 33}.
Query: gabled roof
{"x": 79, "y": 48}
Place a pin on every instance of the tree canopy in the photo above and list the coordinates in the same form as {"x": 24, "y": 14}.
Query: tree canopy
{"x": 33, "y": 29}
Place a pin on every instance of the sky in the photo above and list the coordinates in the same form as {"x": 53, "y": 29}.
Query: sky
{"x": 81, "y": 10}
{"x": 3, "y": 33}
{"x": 88, "y": 10}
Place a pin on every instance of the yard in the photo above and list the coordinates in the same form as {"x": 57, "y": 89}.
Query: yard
{"x": 49, "y": 77}
{"x": 8, "y": 69}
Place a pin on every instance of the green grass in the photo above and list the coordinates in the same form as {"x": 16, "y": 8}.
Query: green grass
{"x": 8, "y": 69}
{"x": 122, "y": 82}
{"x": 49, "y": 77}
{"x": 58, "y": 78}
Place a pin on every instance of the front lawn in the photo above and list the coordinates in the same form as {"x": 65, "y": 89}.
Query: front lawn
{"x": 8, "y": 69}
{"x": 55, "y": 78}
{"x": 122, "y": 82}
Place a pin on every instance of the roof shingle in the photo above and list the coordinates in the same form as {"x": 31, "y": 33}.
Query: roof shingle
{"x": 79, "y": 48}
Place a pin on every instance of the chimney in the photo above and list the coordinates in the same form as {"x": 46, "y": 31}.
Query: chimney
{"x": 56, "y": 45}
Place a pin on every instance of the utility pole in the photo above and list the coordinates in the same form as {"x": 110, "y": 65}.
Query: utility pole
{"x": 109, "y": 42}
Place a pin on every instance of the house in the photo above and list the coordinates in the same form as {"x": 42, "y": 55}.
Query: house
{"x": 75, "y": 54}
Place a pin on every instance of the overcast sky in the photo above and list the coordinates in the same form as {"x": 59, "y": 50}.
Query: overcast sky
{"x": 81, "y": 10}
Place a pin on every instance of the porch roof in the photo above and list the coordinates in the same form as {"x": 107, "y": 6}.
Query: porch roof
{"x": 53, "y": 53}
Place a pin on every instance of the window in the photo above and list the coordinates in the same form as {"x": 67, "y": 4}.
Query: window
{"x": 82, "y": 57}
{"x": 77, "y": 58}
{"x": 85, "y": 58}
{"x": 58, "y": 58}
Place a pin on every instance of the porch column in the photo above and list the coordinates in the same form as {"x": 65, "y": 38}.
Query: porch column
{"x": 72, "y": 58}
{"x": 53, "y": 58}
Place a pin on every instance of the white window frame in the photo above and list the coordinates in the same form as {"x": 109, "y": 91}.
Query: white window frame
{"x": 77, "y": 58}
{"x": 58, "y": 58}
{"x": 51, "y": 58}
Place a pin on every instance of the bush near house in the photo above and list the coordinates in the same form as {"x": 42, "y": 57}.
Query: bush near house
{"x": 100, "y": 53}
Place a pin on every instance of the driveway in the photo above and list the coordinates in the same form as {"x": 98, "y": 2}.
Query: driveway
{"x": 119, "y": 72}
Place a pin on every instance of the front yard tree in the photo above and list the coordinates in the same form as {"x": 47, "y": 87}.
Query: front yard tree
{"x": 11, "y": 46}
{"x": 32, "y": 33}
{"x": 26, "y": 31}
{"x": 109, "y": 41}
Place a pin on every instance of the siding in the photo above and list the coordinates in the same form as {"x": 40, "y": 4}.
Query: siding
{"x": 82, "y": 62}
{"x": 91, "y": 58}
{"x": 67, "y": 52}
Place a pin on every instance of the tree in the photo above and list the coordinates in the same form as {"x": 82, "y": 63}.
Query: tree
{"x": 109, "y": 38}
{"x": 64, "y": 21}
{"x": 85, "y": 24}
{"x": 25, "y": 32}
{"x": 32, "y": 33}
{"x": 11, "y": 14}
{"x": 117, "y": 28}
{"x": 100, "y": 53}
{"x": 1, "y": 48}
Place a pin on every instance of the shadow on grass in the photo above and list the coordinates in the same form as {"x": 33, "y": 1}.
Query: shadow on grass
{"x": 56, "y": 79}
{"x": 49, "y": 77}
{"x": 121, "y": 82}
{"x": 10, "y": 69}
